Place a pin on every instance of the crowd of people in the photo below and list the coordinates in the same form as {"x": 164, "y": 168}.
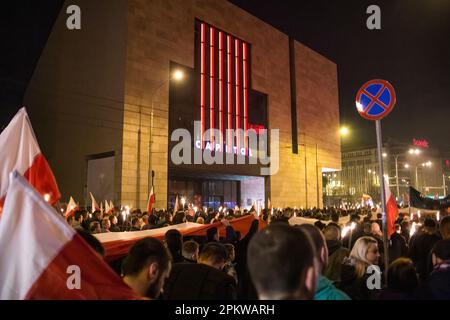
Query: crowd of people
{"x": 327, "y": 260}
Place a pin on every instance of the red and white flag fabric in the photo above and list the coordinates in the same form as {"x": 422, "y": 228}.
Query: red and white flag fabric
{"x": 151, "y": 200}
{"x": 71, "y": 208}
{"x": 94, "y": 205}
{"x": 20, "y": 151}
{"x": 42, "y": 257}
{"x": 391, "y": 208}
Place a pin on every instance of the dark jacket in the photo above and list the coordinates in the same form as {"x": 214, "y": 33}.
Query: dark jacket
{"x": 246, "y": 289}
{"x": 437, "y": 286}
{"x": 336, "y": 255}
{"x": 191, "y": 281}
{"x": 355, "y": 287}
{"x": 419, "y": 251}
{"x": 397, "y": 247}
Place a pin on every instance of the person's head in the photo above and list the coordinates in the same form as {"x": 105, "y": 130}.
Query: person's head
{"x": 332, "y": 233}
{"x": 397, "y": 228}
{"x": 153, "y": 219}
{"x": 366, "y": 253}
{"x": 441, "y": 252}
{"x": 113, "y": 220}
{"x": 78, "y": 216}
{"x": 281, "y": 263}
{"x": 98, "y": 215}
{"x": 174, "y": 241}
{"x": 136, "y": 223}
{"x": 367, "y": 228}
{"x": 180, "y": 217}
{"x": 335, "y": 217}
{"x": 375, "y": 229}
{"x": 190, "y": 250}
{"x": 214, "y": 255}
{"x": 212, "y": 234}
{"x": 444, "y": 227}
{"x": 230, "y": 252}
{"x": 402, "y": 275}
{"x": 200, "y": 220}
{"x": 429, "y": 225}
{"x": 405, "y": 226}
{"x": 95, "y": 227}
{"x": 146, "y": 267}
{"x": 93, "y": 242}
{"x": 106, "y": 224}
{"x": 319, "y": 244}
{"x": 319, "y": 225}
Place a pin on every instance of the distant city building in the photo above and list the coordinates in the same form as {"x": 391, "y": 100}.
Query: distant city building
{"x": 421, "y": 167}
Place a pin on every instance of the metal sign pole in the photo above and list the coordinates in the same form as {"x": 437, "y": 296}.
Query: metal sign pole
{"x": 383, "y": 195}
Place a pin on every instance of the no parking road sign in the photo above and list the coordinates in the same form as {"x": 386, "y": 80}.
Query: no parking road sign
{"x": 375, "y": 99}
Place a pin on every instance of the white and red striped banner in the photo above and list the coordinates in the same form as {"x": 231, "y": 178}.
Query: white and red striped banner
{"x": 41, "y": 254}
{"x": 20, "y": 151}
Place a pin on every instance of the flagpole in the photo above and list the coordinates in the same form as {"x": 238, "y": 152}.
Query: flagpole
{"x": 383, "y": 196}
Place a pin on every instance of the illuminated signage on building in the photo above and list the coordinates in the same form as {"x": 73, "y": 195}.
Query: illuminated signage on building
{"x": 420, "y": 143}
{"x": 223, "y": 62}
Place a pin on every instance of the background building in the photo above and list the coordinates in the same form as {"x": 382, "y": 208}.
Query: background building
{"x": 104, "y": 104}
{"x": 416, "y": 165}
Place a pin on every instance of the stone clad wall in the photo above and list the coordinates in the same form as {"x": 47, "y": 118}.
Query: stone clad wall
{"x": 161, "y": 31}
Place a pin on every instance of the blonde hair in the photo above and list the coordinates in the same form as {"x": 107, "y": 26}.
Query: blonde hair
{"x": 359, "y": 253}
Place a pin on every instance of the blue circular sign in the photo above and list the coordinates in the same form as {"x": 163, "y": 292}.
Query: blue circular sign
{"x": 375, "y": 100}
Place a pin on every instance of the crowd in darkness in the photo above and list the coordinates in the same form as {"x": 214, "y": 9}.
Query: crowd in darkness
{"x": 321, "y": 261}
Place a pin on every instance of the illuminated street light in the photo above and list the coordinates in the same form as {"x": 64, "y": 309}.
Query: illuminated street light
{"x": 344, "y": 131}
{"x": 384, "y": 154}
{"x": 178, "y": 75}
{"x": 406, "y": 165}
{"x": 369, "y": 171}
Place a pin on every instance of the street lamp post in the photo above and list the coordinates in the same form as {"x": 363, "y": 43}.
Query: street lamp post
{"x": 176, "y": 75}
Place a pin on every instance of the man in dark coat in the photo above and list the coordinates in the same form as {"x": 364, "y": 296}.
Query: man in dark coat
{"x": 437, "y": 286}
{"x": 204, "y": 280}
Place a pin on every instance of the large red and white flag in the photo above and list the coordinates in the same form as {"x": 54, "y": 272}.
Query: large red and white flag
{"x": 151, "y": 200}
{"x": 391, "y": 208}
{"x": 42, "y": 257}
{"x": 20, "y": 151}
{"x": 71, "y": 208}
{"x": 94, "y": 205}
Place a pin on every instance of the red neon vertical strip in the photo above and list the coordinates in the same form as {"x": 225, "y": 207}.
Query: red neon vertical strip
{"x": 244, "y": 53}
{"x": 238, "y": 93}
{"x": 221, "y": 89}
{"x": 211, "y": 83}
{"x": 202, "y": 82}
{"x": 230, "y": 98}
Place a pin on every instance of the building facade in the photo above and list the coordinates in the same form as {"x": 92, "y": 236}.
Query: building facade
{"x": 104, "y": 103}
{"x": 420, "y": 167}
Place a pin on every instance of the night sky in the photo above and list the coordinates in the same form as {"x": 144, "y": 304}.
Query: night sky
{"x": 412, "y": 51}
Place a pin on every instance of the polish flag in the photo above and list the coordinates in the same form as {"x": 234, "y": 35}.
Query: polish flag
{"x": 391, "y": 208}
{"x": 42, "y": 257}
{"x": 71, "y": 208}
{"x": 94, "y": 205}
{"x": 151, "y": 200}
{"x": 20, "y": 151}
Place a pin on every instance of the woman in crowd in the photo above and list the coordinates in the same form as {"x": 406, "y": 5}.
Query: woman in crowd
{"x": 358, "y": 267}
